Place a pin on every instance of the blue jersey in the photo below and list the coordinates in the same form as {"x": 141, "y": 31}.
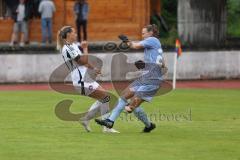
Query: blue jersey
{"x": 152, "y": 55}
{"x": 152, "y": 49}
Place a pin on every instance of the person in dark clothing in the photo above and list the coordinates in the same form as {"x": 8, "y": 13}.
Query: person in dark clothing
{"x": 21, "y": 15}
{"x": 81, "y": 10}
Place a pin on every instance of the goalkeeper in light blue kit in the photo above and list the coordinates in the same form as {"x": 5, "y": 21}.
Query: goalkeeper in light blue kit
{"x": 146, "y": 86}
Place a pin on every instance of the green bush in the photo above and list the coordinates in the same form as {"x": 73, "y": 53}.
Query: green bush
{"x": 169, "y": 14}
{"x": 233, "y": 29}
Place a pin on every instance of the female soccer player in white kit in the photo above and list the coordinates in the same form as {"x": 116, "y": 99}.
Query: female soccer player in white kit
{"x": 77, "y": 63}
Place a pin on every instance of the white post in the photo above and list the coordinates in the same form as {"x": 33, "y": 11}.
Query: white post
{"x": 174, "y": 70}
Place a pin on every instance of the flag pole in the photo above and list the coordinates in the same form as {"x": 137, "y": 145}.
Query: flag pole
{"x": 174, "y": 71}
{"x": 176, "y": 56}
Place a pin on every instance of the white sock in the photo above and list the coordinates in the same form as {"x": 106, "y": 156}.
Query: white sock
{"x": 104, "y": 109}
{"x": 97, "y": 108}
{"x": 92, "y": 111}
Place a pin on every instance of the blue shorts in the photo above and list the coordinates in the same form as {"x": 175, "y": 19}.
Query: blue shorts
{"x": 145, "y": 88}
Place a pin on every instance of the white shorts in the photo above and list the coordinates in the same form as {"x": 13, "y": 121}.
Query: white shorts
{"x": 89, "y": 87}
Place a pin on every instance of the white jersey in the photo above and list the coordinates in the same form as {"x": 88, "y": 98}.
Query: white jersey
{"x": 78, "y": 72}
{"x": 69, "y": 53}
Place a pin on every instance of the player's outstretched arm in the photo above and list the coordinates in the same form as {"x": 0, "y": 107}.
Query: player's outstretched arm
{"x": 135, "y": 45}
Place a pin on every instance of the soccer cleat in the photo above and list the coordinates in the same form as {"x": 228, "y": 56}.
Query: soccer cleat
{"x": 85, "y": 124}
{"x": 149, "y": 129}
{"x": 107, "y": 130}
{"x": 107, "y": 123}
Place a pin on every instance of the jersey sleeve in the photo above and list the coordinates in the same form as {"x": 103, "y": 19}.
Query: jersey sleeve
{"x": 147, "y": 43}
{"x": 70, "y": 52}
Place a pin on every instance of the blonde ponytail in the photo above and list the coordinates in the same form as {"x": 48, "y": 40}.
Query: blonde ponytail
{"x": 60, "y": 41}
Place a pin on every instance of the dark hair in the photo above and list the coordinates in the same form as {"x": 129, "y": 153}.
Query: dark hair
{"x": 62, "y": 35}
{"x": 153, "y": 28}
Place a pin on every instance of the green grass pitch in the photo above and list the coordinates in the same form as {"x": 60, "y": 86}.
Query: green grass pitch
{"x": 197, "y": 124}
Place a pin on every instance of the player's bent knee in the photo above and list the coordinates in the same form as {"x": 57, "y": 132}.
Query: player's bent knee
{"x": 136, "y": 101}
{"x": 105, "y": 99}
{"x": 127, "y": 94}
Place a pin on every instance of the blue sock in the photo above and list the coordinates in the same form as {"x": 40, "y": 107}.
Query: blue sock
{"x": 118, "y": 109}
{"x": 142, "y": 116}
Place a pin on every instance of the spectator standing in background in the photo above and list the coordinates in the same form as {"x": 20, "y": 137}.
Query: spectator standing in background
{"x": 46, "y": 8}
{"x": 81, "y": 10}
{"x": 20, "y": 17}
